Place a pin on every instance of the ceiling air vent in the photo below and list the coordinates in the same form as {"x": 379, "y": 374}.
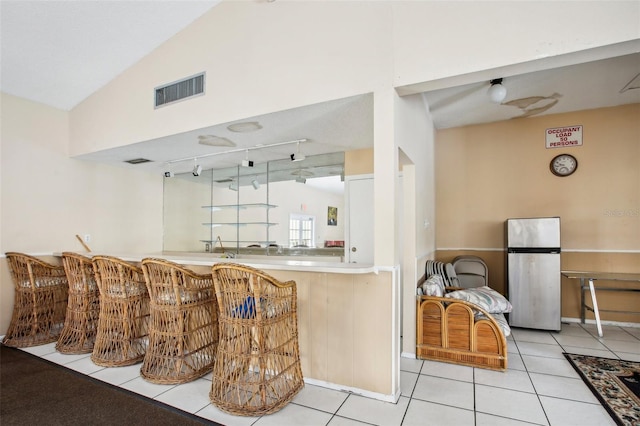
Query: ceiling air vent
{"x": 179, "y": 90}
{"x": 137, "y": 161}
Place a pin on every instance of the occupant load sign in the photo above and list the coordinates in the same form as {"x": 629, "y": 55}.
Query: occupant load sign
{"x": 561, "y": 137}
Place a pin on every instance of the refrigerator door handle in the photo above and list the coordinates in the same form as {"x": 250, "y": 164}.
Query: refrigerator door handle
{"x": 535, "y": 250}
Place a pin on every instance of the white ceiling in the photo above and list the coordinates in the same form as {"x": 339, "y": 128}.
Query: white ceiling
{"x": 335, "y": 126}
{"x": 588, "y": 85}
{"x": 60, "y": 52}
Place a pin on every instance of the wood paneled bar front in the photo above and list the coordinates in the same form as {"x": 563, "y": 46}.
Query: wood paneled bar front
{"x": 348, "y": 319}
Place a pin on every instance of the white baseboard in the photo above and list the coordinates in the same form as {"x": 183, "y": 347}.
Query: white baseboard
{"x": 368, "y": 394}
{"x": 592, "y": 321}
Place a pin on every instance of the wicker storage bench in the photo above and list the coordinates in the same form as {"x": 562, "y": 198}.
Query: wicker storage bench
{"x": 448, "y": 331}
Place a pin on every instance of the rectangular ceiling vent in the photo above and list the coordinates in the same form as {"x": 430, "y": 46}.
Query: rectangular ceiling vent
{"x": 179, "y": 90}
{"x": 137, "y": 161}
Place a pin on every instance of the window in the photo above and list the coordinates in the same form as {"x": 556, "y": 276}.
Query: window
{"x": 302, "y": 230}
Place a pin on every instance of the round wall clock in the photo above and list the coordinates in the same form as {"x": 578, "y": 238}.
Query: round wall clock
{"x": 563, "y": 165}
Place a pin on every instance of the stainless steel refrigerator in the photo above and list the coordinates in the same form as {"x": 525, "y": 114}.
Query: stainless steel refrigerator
{"x": 533, "y": 263}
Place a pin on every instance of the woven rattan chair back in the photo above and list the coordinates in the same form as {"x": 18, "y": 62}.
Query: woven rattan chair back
{"x": 40, "y": 302}
{"x": 81, "y": 322}
{"x": 122, "y": 334}
{"x": 257, "y": 368}
{"x": 183, "y": 331}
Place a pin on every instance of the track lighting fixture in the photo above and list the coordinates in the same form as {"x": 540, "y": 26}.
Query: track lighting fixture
{"x": 497, "y": 92}
{"x": 246, "y": 162}
{"x": 168, "y": 173}
{"x": 297, "y": 156}
{"x": 300, "y": 179}
{"x": 255, "y": 183}
{"x": 233, "y": 186}
{"x": 197, "y": 168}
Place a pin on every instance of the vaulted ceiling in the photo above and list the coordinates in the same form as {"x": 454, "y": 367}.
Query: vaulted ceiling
{"x": 59, "y": 53}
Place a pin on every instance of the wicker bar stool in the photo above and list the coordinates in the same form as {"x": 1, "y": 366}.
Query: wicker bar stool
{"x": 40, "y": 303}
{"x": 124, "y": 313}
{"x": 183, "y": 331}
{"x": 257, "y": 368}
{"x": 80, "y": 325}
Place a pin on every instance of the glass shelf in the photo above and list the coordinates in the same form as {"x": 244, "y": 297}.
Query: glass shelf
{"x": 238, "y": 223}
{"x": 240, "y": 206}
{"x": 264, "y": 240}
{"x": 240, "y": 242}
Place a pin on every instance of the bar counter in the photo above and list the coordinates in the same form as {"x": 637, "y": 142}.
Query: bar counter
{"x": 281, "y": 263}
{"x": 348, "y": 318}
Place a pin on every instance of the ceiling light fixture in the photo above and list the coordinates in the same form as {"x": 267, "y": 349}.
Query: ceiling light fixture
{"x": 233, "y": 186}
{"x": 497, "y": 92}
{"x": 244, "y": 127}
{"x": 301, "y": 172}
{"x": 297, "y": 156}
{"x": 255, "y": 183}
{"x": 212, "y": 140}
{"x": 301, "y": 180}
{"x": 197, "y": 168}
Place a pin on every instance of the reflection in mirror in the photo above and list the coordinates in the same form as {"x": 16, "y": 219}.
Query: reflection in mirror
{"x": 247, "y": 210}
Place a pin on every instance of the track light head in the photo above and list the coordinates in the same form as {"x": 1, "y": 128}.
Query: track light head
{"x": 233, "y": 186}
{"x": 300, "y": 179}
{"x": 297, "y": 156}
{"x": 255, "y": 183}
{"x": 246, "y": 162}
{"x": 197, "y": 169}
{"x": 168, "y": 174}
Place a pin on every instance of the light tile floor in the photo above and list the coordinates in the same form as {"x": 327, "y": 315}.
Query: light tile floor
{"x": 540, "y": 387}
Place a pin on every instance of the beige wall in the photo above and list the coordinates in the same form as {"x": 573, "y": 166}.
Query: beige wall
{"x": 438, "y": 39}
{"x": 262, "y": 58}
{"x": 358, "y": 162}
{"x": 259, "y": 58}
{"x": 48, "y": 198}
{"x": 415, "y": 227}
{"x": 488, "y": 173}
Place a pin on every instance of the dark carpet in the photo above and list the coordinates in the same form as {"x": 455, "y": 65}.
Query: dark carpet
{"x": 36, "y": 391}
{"x": 614, "y": 382}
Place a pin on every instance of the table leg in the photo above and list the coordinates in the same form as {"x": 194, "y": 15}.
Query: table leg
{"x": 595, "y": 306}
{"x": 582, "y": 306}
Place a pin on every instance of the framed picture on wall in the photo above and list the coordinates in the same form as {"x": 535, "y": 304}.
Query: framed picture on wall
{"x": 332, "y": 216}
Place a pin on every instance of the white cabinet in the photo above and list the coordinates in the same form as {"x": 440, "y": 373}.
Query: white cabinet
{"x": 359, "y": 237}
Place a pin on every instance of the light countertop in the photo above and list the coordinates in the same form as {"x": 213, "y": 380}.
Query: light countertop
{"x": 258, "y": 262}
